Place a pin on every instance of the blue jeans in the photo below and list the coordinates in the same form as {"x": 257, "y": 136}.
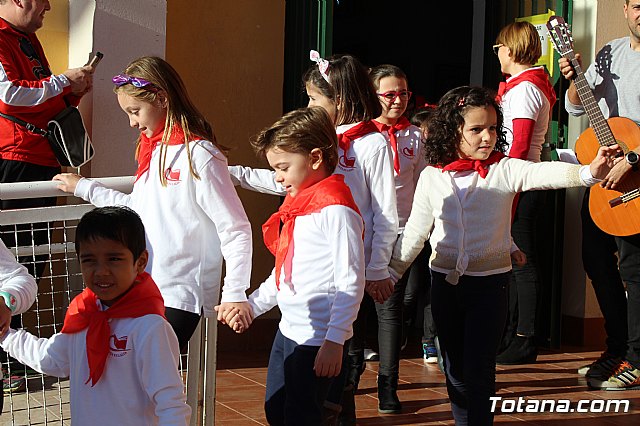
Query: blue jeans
{"x": 470, "y": 318}
{"x": 295, "y": 395}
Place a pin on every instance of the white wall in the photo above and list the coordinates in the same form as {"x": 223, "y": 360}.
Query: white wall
{"x": 122, "y": 30}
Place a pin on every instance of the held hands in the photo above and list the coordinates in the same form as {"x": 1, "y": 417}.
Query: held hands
{"x": 519, "y": 258}
{"x": 379, "y": 290}
{"x": 602, "y": 165}
{"x": 618, "y": 172}
{"x": 237, "y": 315}
{"x": 328, "y": 360}
{"x": 81, "y": 79}
{"x": 5, "y": 318}
{"x": 68, "y": 182}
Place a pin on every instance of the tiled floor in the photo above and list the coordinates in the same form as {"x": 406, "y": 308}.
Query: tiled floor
{"x": 241, "y": 378}
{"x": 240, "y": 393}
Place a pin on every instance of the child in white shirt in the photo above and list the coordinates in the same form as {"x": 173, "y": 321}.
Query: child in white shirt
{"x": 116, "y": 347}
{"x": 319, "y": 277}
{"x": 463, "y": 205}
{"x": 184, "y": 196}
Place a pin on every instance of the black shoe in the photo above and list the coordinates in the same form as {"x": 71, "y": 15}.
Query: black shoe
{"x": 388, "y": 402}
{"x": 347, "y": 416}
{"x": 522, "y": 350}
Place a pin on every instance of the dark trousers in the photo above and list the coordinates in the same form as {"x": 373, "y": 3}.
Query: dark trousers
{"x": 417, "y": 294}
{"x": 183, "y": 323}
{"x": 389, "y": 316}
{"x": 608, "y": 274}
{"x": 470, "y": 318}
{"x": 295, "y": 395}
{"x": 27, "y": 234}
{"x": 523, "y": 292}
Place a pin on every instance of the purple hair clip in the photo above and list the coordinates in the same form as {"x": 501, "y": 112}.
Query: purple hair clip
{"x": 323, "y": 64}
{"x": 122, "y": 79}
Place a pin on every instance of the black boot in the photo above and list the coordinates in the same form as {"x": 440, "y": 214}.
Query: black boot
{"x": 388, "y": 402}
{"x": 330, "y": 414}
{"x": 522, "y": 350}
{"x": 355, "y": 369}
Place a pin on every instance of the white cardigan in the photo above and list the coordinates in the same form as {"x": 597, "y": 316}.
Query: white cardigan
{"x": 471, "y": 235}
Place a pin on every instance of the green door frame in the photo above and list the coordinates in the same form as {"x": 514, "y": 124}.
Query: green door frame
{"x": 308, "y": 25}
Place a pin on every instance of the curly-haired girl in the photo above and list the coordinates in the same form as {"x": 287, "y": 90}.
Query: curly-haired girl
{"x": 466, "y": 215}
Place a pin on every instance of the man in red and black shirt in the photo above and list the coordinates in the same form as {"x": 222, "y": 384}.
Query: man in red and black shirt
{"x": 30, "y": 92}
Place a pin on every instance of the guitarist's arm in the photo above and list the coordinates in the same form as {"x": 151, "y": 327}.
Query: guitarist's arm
{"x": 568, "y": 72}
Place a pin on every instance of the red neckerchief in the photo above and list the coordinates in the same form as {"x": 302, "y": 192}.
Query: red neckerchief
{"x": 142, "y": 299}
{"x": 359, "y": 130}
{"x": 327, "y": 192}
{"x": 480, "y": 166}
{"x": 537, "y": 76}
{"x": 147, "y": 145}
{"x": 402, "y": 123}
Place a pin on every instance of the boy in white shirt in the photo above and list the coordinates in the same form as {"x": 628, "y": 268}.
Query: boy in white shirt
{"x": 120, "y": 354}
{"x": 319, "y": 277}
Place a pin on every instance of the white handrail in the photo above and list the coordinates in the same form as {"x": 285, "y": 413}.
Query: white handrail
{"x": 48, "y": 188}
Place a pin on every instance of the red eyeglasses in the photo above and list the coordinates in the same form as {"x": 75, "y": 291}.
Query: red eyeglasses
{"x": 391, "y": 95}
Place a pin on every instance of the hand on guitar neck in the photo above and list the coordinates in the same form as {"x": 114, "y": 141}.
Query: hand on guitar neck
{"x": 567, "y": 71}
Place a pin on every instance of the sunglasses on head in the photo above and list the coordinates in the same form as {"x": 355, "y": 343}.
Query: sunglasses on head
{"x": 122, "y": 79}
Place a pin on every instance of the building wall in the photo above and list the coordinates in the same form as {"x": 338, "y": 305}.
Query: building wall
{"x": 231, "y": 56}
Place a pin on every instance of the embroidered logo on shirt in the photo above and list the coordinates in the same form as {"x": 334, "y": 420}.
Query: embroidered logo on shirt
{"x": 118, "y": 346}
{"x": 408, "y": 152}
{"x": 346, "y": 162}
{"x": 173, "y": 176}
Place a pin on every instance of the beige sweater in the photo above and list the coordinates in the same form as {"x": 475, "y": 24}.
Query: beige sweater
{"x": 472, "y": 235}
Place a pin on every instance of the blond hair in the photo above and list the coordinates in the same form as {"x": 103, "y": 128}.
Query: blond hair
{"x": 181, "y": 112}
{"x": 523, "y": 40}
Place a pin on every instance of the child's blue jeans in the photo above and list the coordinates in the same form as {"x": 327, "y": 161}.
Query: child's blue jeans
{"x": 295, "y": 395}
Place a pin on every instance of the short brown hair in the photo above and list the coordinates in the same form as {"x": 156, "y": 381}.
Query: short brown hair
{"x": 523, "y": 40}
{"x": 301, "y": 131}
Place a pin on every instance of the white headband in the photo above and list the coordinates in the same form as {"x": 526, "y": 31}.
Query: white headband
{"x": 323, "y": 64}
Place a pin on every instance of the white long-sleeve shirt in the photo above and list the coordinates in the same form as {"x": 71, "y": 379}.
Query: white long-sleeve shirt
{"x": 412, "y": 162}
{"x": 468, "y": 220}
{"x": 191, "y": 224}
{"x": 140, "y": 385}
{"x": 321, "y": 299}
{"x": 16, "y": 280}
{"x": 371, "y": 181}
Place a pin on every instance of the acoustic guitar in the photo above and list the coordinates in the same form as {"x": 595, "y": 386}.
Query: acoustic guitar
{"x": 616, "y": 212}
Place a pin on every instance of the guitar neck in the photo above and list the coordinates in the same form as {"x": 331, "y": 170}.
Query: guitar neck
{"x": 596, "y": 119}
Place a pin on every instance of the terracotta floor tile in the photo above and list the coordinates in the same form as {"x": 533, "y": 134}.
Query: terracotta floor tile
{"x": 423, "y": 392}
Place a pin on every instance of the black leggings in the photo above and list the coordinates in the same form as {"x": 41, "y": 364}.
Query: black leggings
{"x": 183, "y": 323}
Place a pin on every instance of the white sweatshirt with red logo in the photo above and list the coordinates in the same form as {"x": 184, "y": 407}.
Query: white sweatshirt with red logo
{"x": 368, "y": 172}
{"x": 140, "y": 385}
{"x": 320, "y": 298}
{"x": 191, "y": 225}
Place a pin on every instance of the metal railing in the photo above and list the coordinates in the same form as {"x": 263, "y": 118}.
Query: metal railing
{"x": 42, "y": 400}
